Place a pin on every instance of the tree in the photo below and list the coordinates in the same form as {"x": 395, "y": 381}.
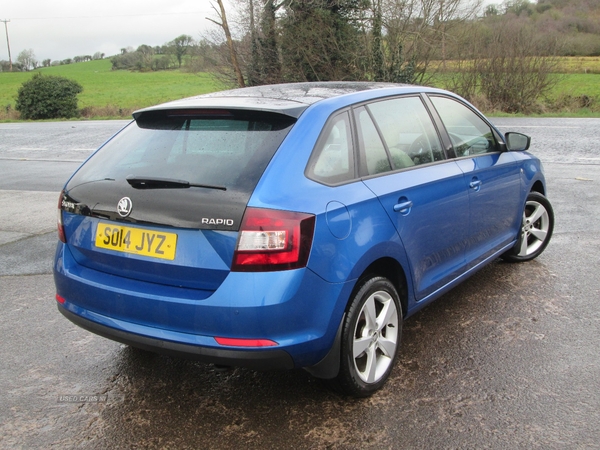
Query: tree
{"x": 27, "y": 59}
{"x": 48, "y": 97}
{"x": 507, "y": 67}
{"x": 420, "y": 31}
{"x": 320, "y": 42}
{"x": 387, "y": 40}
{"x": 491, "y": 10}
{"x": 518, "y": 7}
{"x": 7, "y": 66}
{"x": 514, "y": 72}
{"x": 201, "y": 57}
{"x": 180, "y": 46}
{"x": 378, "y": 57}
{"x": 232, "y": 51}
{"x": 269, "y": 67}
{"x": 146, "y": 56}
{"x": 127, "y": 61}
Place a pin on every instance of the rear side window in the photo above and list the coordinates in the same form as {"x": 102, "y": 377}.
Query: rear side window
{"x": 469, "y": 134}
{"x": 220, "y": 148}
{"x": 407, "y": 131}
{"x": 333, "y": 159}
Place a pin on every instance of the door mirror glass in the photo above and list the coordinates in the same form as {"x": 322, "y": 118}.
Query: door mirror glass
{"x": 517, "y": 142}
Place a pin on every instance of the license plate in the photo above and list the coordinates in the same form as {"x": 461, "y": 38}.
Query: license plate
{"x": 138, "y": 241}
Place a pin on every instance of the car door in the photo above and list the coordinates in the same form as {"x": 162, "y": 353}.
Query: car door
{"x": 491, "y": 177}
{"x": 423, "y": 193}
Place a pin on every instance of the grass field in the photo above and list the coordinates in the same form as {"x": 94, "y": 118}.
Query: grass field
{"x": 110, "y": 91}
{"x": 110, "y": 94}
{"x": 578, "y": 84}
{"x": 565, "y": 65}
{"x": 581, "y": 65}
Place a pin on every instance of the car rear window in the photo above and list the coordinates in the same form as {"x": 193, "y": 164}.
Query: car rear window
{"x": 220, "y": 148}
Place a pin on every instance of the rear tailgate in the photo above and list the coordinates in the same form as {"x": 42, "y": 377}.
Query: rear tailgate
{"x": 197, "y": 259}
{"x": 163, "y": 201}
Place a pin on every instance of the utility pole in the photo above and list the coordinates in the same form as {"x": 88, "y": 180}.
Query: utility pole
{"x": 7, "y": 43}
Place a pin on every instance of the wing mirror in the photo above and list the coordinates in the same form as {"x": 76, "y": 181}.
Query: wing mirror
{"x": 517, "y": 142}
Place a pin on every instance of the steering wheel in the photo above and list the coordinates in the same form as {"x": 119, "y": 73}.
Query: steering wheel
{"x": 461, "y": 148}
{"x": 420, "y": 151}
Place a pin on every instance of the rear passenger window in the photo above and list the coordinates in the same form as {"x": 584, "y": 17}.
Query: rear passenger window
{"x": 407, "y": 132}
{"x": 333, "y": 159}
{"x": 469, "y": 134}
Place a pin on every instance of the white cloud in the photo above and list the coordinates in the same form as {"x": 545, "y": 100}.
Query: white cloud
{"x": 61, "y": 29}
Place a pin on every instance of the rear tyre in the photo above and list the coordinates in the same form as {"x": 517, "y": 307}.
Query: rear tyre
{"x": 370, "y": 338}
{"x": 536, "y": 229}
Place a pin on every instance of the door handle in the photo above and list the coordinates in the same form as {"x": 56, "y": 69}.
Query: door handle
{"x": 475, "y": 184}
{"x": 403, "y": 207}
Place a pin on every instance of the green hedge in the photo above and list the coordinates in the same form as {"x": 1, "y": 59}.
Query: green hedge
{"x": 48, "y": 97}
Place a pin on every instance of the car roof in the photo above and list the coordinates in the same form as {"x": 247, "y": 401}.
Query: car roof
{"x": 290, "y": 99}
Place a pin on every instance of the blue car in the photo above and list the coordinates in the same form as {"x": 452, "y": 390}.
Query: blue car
{"x": 292, "y": 226}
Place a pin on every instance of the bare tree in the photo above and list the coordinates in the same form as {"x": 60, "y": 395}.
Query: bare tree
{"x": 296, "y": 40}
{"x": 422, "y": 28}
{"x": 232, "y": 51}
{"x": 514, "y": 73}
{"x": 506, "y": 68}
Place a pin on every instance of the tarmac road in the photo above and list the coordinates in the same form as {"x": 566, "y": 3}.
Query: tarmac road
{"x": 509, "y": 359}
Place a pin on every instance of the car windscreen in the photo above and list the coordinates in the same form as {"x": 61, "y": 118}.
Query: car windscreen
{"x": 225, "y": 149}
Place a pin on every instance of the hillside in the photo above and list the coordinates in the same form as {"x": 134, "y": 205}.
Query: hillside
{"x": 575, "y": 24}
{"x": 110, "y": 93}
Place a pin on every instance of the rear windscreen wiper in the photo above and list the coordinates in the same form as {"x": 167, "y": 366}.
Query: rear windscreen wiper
{"x": 167, "y": 183}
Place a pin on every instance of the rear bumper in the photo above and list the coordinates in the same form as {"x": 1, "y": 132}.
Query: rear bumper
{"x": 296, "y": 309}
{"x": 258, "y": 360}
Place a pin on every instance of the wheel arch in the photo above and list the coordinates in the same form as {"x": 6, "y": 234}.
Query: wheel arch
{"x": 391, "y": 269}
{"x": 386, "y": 266}
{"x": 344, "y": 375}
{"x": 529, "y": 244}
{"x": 538, "y": 187}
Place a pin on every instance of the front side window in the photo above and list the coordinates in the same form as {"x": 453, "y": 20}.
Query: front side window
{"x": 469, "y": 134}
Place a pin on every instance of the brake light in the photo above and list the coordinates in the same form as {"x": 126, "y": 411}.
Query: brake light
{"x": 59, "y": 221}
{"x": 273, "y": 240}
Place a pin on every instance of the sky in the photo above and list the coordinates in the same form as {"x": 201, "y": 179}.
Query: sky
{"x": 61, "y": 29}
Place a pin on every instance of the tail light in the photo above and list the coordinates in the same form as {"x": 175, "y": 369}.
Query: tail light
{"x": 272, "y": 240}
{"x": 59, "y": 222}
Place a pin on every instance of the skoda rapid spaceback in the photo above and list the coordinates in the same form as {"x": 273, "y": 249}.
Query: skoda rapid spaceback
{"x": 292, "y": 226}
